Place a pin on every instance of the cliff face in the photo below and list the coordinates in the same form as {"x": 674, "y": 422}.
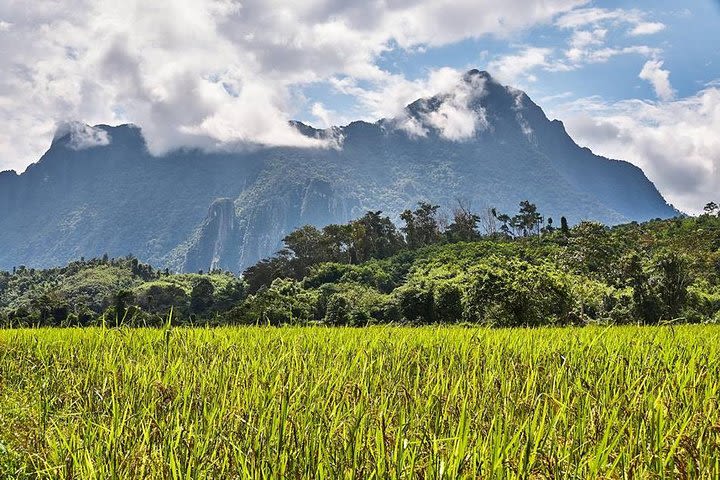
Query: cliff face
{"x": 235, "y": 234}
{"x": 191, "y": 210}
{"x": 215, "y": 235}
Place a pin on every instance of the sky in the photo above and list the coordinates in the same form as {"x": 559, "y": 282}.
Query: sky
{"x": 638, "y": 81}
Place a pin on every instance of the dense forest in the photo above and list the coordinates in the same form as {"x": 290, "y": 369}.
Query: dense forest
{"x": 493, "y": 269}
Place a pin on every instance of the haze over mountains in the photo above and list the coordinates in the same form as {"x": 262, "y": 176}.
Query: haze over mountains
{"x": 97, "y": 189}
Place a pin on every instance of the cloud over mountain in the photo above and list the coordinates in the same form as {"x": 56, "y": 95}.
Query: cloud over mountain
{"x": 486, "y": 143}
{"x": 674, "y": 142}
{"x": 211, "y": 73}
{"x": 219, "y": 74}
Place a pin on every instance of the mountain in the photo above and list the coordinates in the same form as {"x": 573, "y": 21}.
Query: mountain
{"x": 98, "y": 190}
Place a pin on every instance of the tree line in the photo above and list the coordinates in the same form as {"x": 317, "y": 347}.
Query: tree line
{"x": 481, "y": 268}
{"x": 374, "y": 236}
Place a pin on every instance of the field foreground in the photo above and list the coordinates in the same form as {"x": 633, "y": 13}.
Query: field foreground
{"x": 359, "y": 403}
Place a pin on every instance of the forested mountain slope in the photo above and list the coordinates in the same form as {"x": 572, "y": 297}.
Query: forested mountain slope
{"x": 192, "y": 210}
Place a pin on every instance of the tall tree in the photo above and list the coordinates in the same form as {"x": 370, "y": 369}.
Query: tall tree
{"x": 528, "y": 220}
{"x": 564, "y": 228}
{"x": 550, "y": 227}
{"x": 375, "y": 236}
{"x": 306, "y": 245}
{"x": 338, "y": 242}
{"x": 421, "y": 226}
{"x": 464, "y": 227}
{"x": 505, "y": 224}
{"x": 646, "y": 305}
{"x": 673, "y": 280}
{"x": 266, "y": 270}
{"x": 201, "y": 297}
{"x": 592, "y": 249}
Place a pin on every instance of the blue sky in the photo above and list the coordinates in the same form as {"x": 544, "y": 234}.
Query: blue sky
{"x": 638, "y": 80}
{"x": 688, "y": 44}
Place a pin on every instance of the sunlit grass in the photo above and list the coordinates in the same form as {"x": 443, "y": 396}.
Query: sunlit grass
{"x": 623, "y": 402}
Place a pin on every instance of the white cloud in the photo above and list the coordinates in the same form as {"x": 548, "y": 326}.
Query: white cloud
{"x": 590, "y": 27}
{"x": 594, "y": 16}
{"x": 587, "y": 44}
{"x": 389, "y": 94}
{"x": 412, "y": 126}
{"x": 584, "y": 17}
{"x": 327, "y": 118}
{"x": 647, "y": 28}
{"x": 653, "y": 72}
{"x": 588, "y": 47}
{"x": 605, "y": 54}
{"x": 209, "y": 73}
{"x": 5, "y": 26}
{"x": 456, "y": 118}
{"x": 581, "y": 40}
{"x": 453, "y": 121}
{"x": 459, "y": 117}
{"x": 82, "y": 136}
{"x": 519, "y": 68}
{"x": 674, "y": 142}
{"x": 322, "y": 114}
{"x": 515, "y": 68}
{"x": 585, "y": 38}
{"x": 554, "y": 98}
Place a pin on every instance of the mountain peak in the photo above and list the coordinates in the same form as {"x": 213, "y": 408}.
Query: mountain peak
{"x": 75, "y": 135}
{"x": 80, "y": 136}
{"x": 470, "y": 75}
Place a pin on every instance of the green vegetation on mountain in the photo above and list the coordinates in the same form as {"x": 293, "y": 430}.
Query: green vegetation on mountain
{"x": 522, "y": 271}
{"x": 190, "y": 210}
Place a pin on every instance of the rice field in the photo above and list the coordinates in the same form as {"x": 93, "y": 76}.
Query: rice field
{"x": 391, "y": 402}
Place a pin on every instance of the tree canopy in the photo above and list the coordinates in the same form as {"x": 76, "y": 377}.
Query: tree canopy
{"x": 490, "y": 268}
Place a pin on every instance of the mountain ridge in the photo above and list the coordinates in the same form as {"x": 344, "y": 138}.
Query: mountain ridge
{"x": 98, "y": 189}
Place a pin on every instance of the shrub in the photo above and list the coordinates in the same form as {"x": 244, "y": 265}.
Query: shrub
{"x": 447, "y": 303}
{"x": 518, "y": 294}
{"x": 284, "y": 302}
{"x": 416, "y": 303}
{"x": 160, "y": 297}
{"x": 338, "y": 310}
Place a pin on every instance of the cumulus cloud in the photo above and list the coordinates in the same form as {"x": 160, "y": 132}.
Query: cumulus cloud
{"x": 584, "y": 17}
{"x": 459, "y": 116}
{"x": 453, "y": 121}
{"x": 647, "y": 28}
{"x": 518, "y": 67}
{"x": 82, "y": 136}
{"x": 584, "y": 38}
{"x": 653, "y": 72}
{"x": 590, "y": 26}
{"x": 389, "y": 94}
{"x": 587, "y": 43}
{"x": 412, "y": 126}
{"x": 674, "y": 142}
{"x": 323, "y": 114}
{"x": 211, "y": 73}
